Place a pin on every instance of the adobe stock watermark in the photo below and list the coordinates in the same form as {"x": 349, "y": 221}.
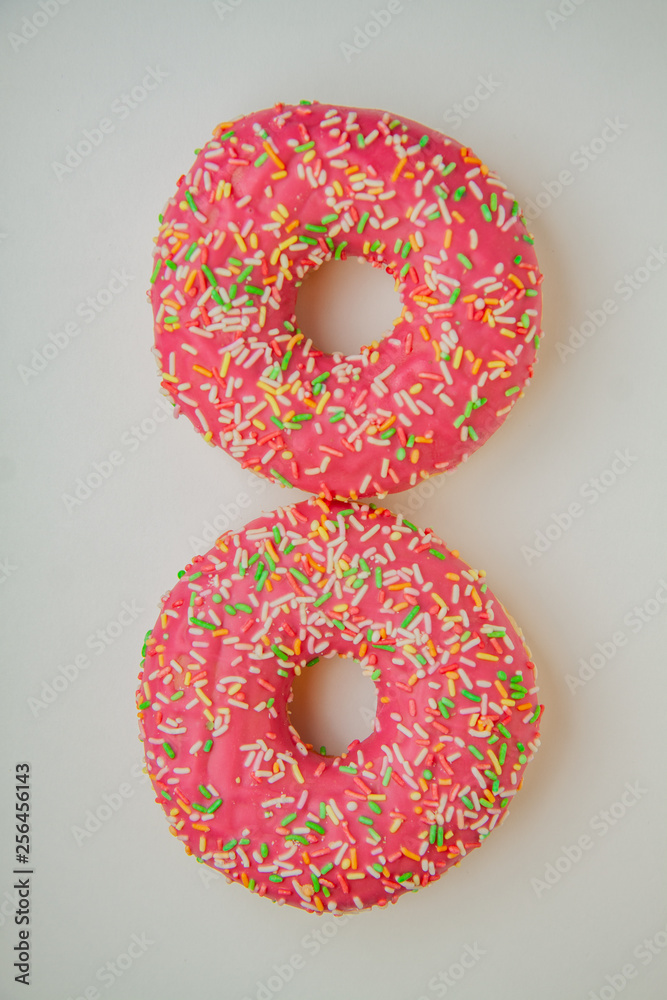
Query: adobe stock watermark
{"x": 419, "y": 495}
{"x": 581, "y": 158}
{"x": 634, "y": 620}
{"x": 625, "y": 288}
{"x": 565, "y": 9}
{"x": 364, "y": 34}
{"x": 440, "y": 984}
{"x": 224, "y": 7}
{"x": 227, "y": 514}
{"x": 121, "y": 108}
{"x": 7, "y": 569}
{"x": 97, "y": 643}
{"x": 486, "y": 86}
{"x": 312, "y": 944}
{"x": 32, "y": 25}
{"x": 644, "y": 953}
{"x": 600, "y": 824}
{"x": 130, "y": 441}
{"x": 109, "y": 973}
{"x": 591, "y": 491}
{"x": 87, "y": 310}
{"x": 111, "y": 803}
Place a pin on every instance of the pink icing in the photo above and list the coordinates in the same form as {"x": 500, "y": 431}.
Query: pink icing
{"x": 457, "y": 717}
{"x": 245, "y": 226}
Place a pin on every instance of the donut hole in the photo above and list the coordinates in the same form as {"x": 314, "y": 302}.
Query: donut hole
{"x": 332, "y": 705}
{"x": 345, "y": 304}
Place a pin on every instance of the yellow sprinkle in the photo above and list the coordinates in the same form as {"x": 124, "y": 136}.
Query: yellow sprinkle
{"x": 458, "y": 354}
{"x": 297, "y": 774}
{"x": 332, "y": 815}
{"x": 241, "y": 242}
{"x": 226, "y": 358}
{"x": 494, "y": 760}
{"x": 486, "y": 656}
{"x": 324, "y": 399}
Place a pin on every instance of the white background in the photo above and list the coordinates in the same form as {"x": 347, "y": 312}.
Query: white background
{"x": 68, "y": 571}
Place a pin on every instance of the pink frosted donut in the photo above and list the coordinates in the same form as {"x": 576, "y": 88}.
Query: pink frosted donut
{"x": 456, "y": 724}
{"x": 271, "y": 197}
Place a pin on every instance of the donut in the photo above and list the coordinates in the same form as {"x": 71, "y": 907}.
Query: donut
{"x": 457, "y": 712}
{"x": 270, "y": 198}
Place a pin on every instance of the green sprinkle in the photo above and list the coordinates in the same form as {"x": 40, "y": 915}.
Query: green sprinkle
{"x": 262, "y": 158}
{"x": 176, "y": 695}
{"x": 279, "y": 652}
{"x": 321, "y": 599}
{"x": 304, "y": 146}
{"x": 374, "y": 807}
{"x": 410, "y": 615}
{"x": 277, "y": 878}
{"x": 387, "y": 776}
{"x": 229, "y": 845}
{"x": 486, "y": 212}
{"x": 454, "y": 296}
{"x": 315, "y": 826}
{"x": 504, "y": 730}
{"x": 475, "y": 752}
{"x": 281, "y": 479}
{"x": 289, "y": 819}
{"x": 362, "y": 222}
{"x": 156, "y": 271}
{"x": 437, "y": 553}
{"x": 296, "y": 836}
{"x": 339, "y": 250}
{"x": 510, "y": 392}
{"x": 208, "y": 745}
{"x": 366, "y": 820}
{"x": 468, "y": 802}
{"x": 464, "y": 260}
